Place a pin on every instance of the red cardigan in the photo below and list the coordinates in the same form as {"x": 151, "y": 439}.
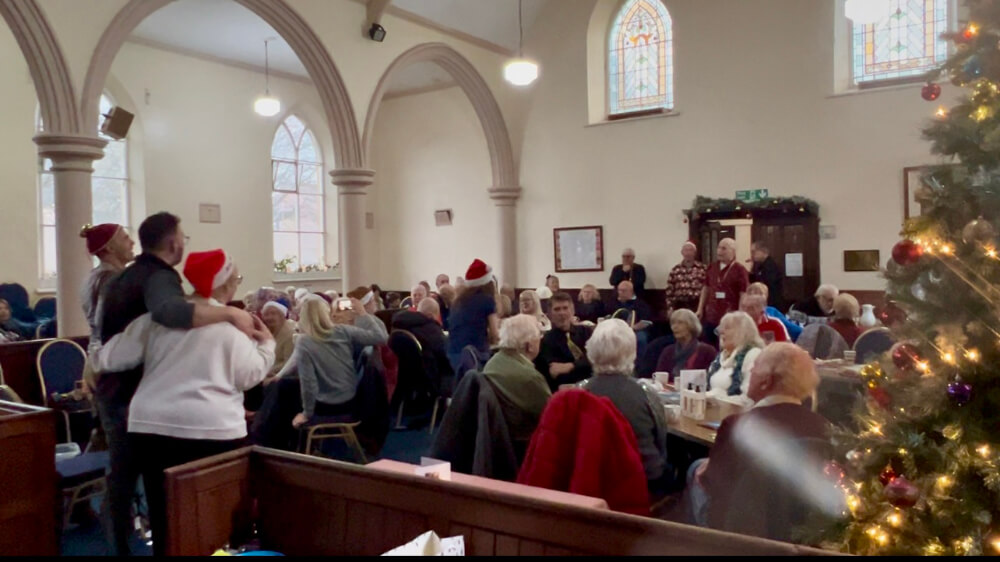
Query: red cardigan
{"x": 583, "y": 445}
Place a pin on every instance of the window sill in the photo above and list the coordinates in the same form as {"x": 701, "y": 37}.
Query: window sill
{"x": 875, "y": 90}
{"x": 332, "y": 275}
{"x": 631, "y": 119}
{"x": 45, "y": 290}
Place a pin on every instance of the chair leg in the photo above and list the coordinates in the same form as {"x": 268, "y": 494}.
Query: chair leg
{"x": 69, "y": 436}
{"x": 434, "y": 414}
{"x": 399, "y": 416}
{"x": 352, "y": 440}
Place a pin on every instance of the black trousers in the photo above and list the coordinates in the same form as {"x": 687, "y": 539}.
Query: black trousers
{"x": 156, "y": 453}
{"x": 113, "y": 394}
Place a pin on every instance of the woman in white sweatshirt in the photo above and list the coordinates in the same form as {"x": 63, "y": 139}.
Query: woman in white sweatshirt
{"x": 189, "y": 403}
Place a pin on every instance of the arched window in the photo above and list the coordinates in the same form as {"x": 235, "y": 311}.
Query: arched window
{"x": 109, "y": 195}
{"x": 297, "y": 199}
{"x": 903, "y": 45}
{"x": 641, "y": 59}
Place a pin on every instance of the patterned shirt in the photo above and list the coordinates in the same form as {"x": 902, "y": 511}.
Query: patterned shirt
{"x": 685, "y": 283}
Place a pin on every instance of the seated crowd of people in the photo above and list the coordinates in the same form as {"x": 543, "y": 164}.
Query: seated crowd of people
{"x": 178, "y": 377}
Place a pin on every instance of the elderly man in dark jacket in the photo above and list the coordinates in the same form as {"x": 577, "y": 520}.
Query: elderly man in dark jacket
{"x": 424, "y": 324}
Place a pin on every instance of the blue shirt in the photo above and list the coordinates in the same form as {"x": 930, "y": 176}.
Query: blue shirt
{"x": 468, "y": 322}
{"x": 793, "y": 329}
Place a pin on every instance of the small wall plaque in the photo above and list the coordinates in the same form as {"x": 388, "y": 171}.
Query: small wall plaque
{"x": 861, "y": 260}
{"x": 210, "y": 213}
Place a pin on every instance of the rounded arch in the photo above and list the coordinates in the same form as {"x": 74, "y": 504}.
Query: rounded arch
{"x": 289, "y": 25}
{"x": 56, "y": 98}
{"x": 497, "y": 138}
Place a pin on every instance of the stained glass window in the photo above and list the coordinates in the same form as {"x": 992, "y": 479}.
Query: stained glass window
{"x": 297, "y": 200}
{"x": 109, "y": 194}
{"x": 641, "y": 58}
{"x": 904, "y": 44}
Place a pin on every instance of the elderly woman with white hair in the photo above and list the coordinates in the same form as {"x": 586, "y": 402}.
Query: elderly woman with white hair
{"x": 522, "y": 390}
{"x": 611, "y": 350}
{"x": 531, "y": 304}
{"x": 767, "y": 438}
{"x": 686, "y": 353}
{"x": 739, "y": 345}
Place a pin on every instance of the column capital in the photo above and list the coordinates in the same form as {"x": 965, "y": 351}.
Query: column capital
{"x": 505, "y": 196}
{"x": 352, "y": 181}
{"x": 70, "y": 151}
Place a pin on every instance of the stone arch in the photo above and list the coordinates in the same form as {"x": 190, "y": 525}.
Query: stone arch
{"x": 289, "y": 25}
{"x": 56, "y": 98}
{"x": 505, "y": 176}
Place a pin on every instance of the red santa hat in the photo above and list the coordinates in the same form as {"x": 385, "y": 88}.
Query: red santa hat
{"x": 478, "y": 274}
{"x": 98, "y": 237}
{"x": 207, "y": 271}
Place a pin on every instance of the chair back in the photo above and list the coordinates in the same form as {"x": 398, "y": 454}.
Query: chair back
{"x": 47, "y": 329}
{"x": 45, "y": 308}
{"x": 412, "y": 371}
{"x": 17, "y": 296}
{"x": 406, "y": 303}
{"x": 7, "y": 394}
{"x": 822, "y": 342}
{"x": 471, "y": 360}
{"x": 60, "y": 365}
{"x": 872, "y": 343}
{"x": 625, "y": 315}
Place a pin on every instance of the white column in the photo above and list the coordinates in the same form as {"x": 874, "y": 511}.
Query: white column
{"x": 505, "y": 199}
{"x": 351, "y": 189}
{"x": 72, "y": 159}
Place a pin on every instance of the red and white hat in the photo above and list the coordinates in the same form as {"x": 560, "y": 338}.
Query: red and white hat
{"x": 207, "y": 271}
{"x": 478, "y": 274}
{"x": 98, "y": 237}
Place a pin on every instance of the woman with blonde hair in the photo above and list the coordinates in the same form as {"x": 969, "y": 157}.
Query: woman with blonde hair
{"x": 324, "y": 360}
{"x": 531, "y": 304}
{"x": 590, "y": 308}
{"x": 846, "y": 311}
{"x": 739, "y": 345}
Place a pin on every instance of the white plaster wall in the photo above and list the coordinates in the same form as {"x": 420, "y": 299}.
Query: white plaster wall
{"x": 430, "y": 153}
{"x": 754, "y": 80}
{"x": 200, "y": 142}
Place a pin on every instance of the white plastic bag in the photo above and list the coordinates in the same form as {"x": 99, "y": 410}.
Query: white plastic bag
{"x": 428, "y": 544}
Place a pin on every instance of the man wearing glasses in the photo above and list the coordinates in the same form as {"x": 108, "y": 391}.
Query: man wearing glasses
{"x": 149, "y": 284}
{"x": 628, "y": 270}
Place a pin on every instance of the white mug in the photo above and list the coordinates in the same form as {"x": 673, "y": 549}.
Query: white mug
{"x": 850, "y": 355}
{"x": 662, "y": 377}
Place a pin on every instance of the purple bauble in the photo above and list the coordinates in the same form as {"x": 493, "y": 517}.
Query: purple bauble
{"x": 960, "y": 392}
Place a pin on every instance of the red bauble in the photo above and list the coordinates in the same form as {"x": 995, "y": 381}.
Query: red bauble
{"x": 931, "y": 91}
{"x": 887, "y": 475}
{"x": 906, "y": 252}
{"x": 892, "y": 315}
{"x": 901, "y": 492}
{"x": 905, "y": 356}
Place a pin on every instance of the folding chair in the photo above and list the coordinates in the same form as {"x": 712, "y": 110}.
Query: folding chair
{"x": 80, "y": 479}
{"x": 338, "y": 427}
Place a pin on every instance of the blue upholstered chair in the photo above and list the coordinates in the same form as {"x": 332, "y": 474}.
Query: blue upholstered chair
{"x": 17, "y": 296}
{"x": 45, "y": 308}
{"x": 60, "y": 365}
{"x": 871, "y": 344}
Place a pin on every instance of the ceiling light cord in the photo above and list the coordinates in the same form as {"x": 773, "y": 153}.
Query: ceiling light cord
{"x": 520, "y": 29}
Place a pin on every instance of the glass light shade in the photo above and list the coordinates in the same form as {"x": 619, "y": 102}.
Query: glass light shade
{"x": 863, "y": 12}
{"x": 267, "y": 106}
{"x": 520, "y": 72}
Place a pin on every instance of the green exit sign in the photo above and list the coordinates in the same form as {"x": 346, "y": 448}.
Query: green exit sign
{"x": 751, "y": 195}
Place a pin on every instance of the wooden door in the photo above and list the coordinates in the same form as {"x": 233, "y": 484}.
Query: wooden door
{"x": 709, "y": 234}
{"x": 792, "y": 235}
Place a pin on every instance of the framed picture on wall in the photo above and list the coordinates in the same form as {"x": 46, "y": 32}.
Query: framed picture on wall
{"x": 579, "y": 248}
{"x": 861, "y": 260}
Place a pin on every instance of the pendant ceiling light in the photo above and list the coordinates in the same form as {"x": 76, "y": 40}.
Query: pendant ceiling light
{"x": 520, "y": 71}
{"x": 863, "y": 12}
{"x": 267, "y": 105}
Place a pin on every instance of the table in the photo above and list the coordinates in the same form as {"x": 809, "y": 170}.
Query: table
{"x": 692, "y": 430}
{"x": 500, "y": 486}
{"x": 840, "y": 389}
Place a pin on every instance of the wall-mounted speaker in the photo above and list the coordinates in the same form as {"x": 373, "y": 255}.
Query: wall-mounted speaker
{"x": 116, "y": 123}
{"x": 442, "y": 218}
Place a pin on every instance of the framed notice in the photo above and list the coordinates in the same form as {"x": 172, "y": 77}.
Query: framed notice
{"x": 912, "y": 181}
{"x": 579, "y": 248}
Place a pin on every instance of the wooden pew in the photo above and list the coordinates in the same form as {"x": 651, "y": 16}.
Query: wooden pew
{"x": 310, "y": 506}
{"x": 29, "y": 503}
{"x": 20, "y": 367}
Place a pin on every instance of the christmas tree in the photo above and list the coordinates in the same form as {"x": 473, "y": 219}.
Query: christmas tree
{"x": 921, "y": 470}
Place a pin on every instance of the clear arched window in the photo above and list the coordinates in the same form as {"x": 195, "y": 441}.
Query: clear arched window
{"x": 903, "y": 45}
{"x": 641, "y": 59}
{"x": 297, "y": 199}
{"x": 109, "y": 196}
